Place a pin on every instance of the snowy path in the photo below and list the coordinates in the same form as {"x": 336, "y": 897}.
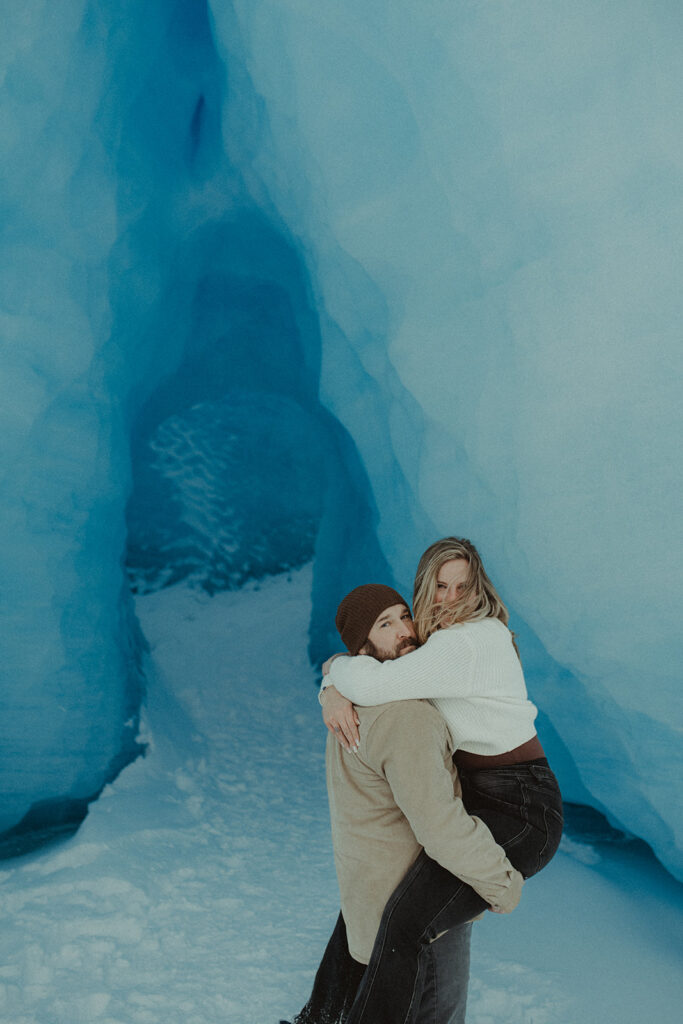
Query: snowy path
{"x": 201, "y": 888}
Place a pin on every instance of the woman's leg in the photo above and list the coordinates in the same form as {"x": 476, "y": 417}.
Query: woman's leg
{"x": 522, "y": 806}
{"x": 427, "y": 902}
{"x": 336, "y": 982}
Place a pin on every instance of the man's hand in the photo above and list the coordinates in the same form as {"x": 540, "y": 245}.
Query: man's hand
{"x": 341, "y": 718}
{"x": 513, "y": 895}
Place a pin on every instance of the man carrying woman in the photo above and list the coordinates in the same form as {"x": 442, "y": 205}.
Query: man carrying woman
{"x": 394, "y": 796}
{"x": 469, "y": 668}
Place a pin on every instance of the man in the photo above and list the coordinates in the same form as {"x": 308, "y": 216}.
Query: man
{"x": 394, "y": 799}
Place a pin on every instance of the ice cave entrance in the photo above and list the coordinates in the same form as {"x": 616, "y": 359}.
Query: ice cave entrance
{"x": 228, "y": 490}
{"x": 238, "y": 470}
{"x": 228, "y": 454}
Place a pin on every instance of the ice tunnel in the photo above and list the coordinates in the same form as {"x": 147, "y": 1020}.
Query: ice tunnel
{"x": 283, "y": 281}
{"x": 238, "y": 469}
{"x": 164, "y": 413}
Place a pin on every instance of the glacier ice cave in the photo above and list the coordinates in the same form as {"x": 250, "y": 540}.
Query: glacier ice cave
{"x": 292, "y": 281}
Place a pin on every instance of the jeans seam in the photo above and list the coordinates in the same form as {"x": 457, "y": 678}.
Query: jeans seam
{"x": 412, "y": 997}
{"x": 388, "y": 910}
{"x": 435, "y": 983}
{"x": 422, "y": 937}
{"x": 548, "y": 811}
{"x": 428, "y": 978}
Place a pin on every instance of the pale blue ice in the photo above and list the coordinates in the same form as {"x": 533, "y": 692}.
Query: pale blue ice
{"x": 292, "y": 280}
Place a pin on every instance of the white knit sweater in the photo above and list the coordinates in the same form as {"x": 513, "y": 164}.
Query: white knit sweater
{"x": 470, "y": 672}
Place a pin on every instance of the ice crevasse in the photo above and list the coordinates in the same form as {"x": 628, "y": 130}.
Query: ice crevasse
{"x": 293, "y": 280}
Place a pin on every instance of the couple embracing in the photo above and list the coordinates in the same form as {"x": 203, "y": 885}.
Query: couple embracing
{"x": 441, "y": 798}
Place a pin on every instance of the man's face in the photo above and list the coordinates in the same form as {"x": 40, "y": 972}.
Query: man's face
{"x": 392, "y": 635}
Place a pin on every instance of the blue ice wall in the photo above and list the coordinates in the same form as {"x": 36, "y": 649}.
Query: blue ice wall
{"x": 92, "y": 166}
{"x": 440, "y": 240}
{"x": 157, "y": 330}
{"x": 489, "y": 199}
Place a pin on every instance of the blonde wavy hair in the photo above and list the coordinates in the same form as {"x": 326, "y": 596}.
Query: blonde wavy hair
{"x": 478, "y": 600}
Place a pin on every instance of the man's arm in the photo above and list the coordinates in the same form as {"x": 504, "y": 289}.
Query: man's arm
{"x": 407, "y": 745}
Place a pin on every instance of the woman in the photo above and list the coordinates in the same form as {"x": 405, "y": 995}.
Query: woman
{"x": 469, "y": 667}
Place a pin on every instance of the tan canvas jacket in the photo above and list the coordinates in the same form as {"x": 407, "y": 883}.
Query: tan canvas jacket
{"x": 398, "y": 794}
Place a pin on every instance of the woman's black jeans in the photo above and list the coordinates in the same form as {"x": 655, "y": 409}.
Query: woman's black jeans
{"x": 522, "y": 806}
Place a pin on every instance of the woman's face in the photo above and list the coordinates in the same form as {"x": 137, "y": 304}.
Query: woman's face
{"x": 451, "y": 580}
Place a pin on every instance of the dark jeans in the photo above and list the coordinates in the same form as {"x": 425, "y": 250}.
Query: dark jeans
{"x": 444, "y": 968}
{"x": 522, "y": 806}
{"x": 443, "y": 977}
{"x": 336, "y": 982}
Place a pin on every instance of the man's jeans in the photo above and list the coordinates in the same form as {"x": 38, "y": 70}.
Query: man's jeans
{"x": 444, "y": 971}
{"x": 522, "y": 806}
{"x": 443, "y": 976}
{"x": 336, "y": 982}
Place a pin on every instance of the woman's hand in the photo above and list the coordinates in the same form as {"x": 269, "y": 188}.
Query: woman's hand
{"x": 328, "y": 663}
{"x": 341, "y": 718}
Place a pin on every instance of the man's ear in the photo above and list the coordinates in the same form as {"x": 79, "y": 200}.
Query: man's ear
{"x": 364, "y": 649}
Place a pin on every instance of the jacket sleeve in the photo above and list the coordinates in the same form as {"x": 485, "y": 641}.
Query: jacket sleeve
{"x": 408, "y": 746}
{"x": 442, "y": 667}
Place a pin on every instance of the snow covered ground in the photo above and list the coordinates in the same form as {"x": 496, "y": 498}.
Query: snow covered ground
{"x": 201, "y": 888}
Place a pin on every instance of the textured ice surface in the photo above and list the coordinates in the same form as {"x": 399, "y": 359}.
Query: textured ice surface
{"x": 447, "y": 236}
{"x": 229, "y": 491}
{"x": 139, "y": 281}
{"x": 492, "y": 224}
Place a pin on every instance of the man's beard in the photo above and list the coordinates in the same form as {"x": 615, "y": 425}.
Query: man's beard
{"x": 382, "y": 655}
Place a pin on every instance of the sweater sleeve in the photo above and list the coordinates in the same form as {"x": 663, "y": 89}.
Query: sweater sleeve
{"x": 408, "y": 748}
{"x": 442, "y": 667}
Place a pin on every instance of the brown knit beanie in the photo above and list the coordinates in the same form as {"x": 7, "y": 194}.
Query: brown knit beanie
{"x": 358, "y": 611}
